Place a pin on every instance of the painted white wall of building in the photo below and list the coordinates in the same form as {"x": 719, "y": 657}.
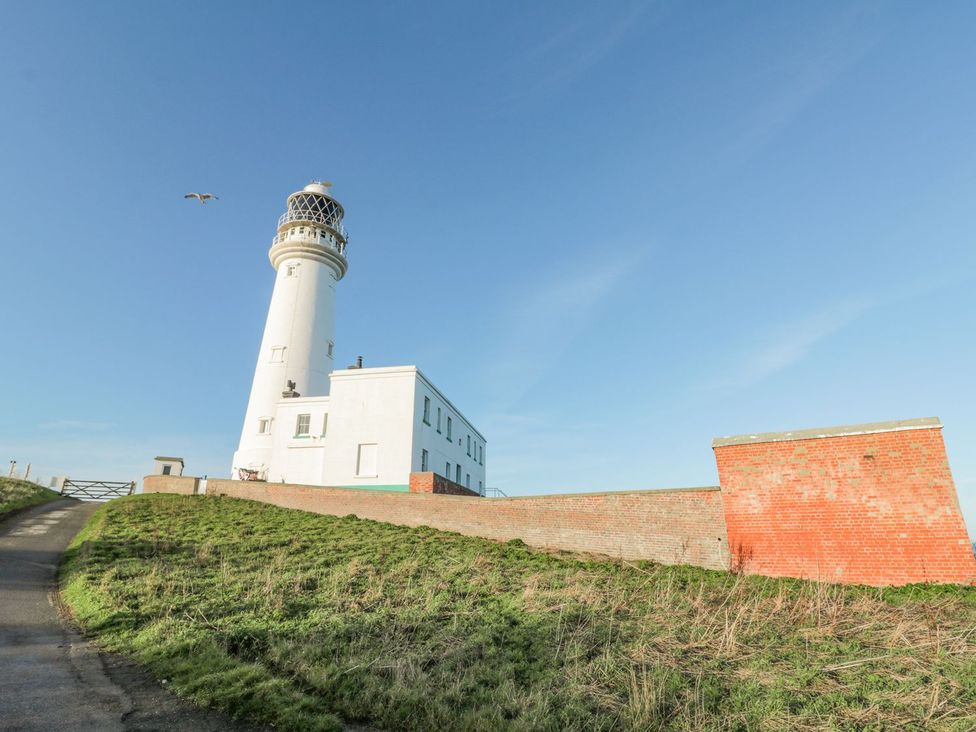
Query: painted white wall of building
{"x": 441, "y": 450}
{"x": 295, "y": 347}
{"x": 383, "y": 407}
{"x": 175, "y": 467}
{"x": 296, "y": 458}
{"x": 371, "y": 406}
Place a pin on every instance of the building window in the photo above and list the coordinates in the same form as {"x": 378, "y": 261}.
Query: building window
{"x": 447, "y": 471}
{"x": 167, "y": 469}
{"x": 331, "y": 348}
{"x": 291, "y": 270}
{"x": 424, "y": 455}
{"x": 457, "y": 477}
{"x": 278, "y": 354}
{"x": 467, "y": 481}
{"x": 481, "y": 491}
{"x": 366, "y": 461}
{"x": 481, "y": 455}
{"x": 427, "y": 410}
{"x": 325, "y": 424}
{"x": 264, "y": 426}
{"x": 302, "y": 424}
{"x": 438, "y": 420}
{"x": 449, "y": 428}
{"x": 469, "y": 445}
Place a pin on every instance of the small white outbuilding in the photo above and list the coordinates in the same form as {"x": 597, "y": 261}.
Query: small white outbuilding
{"x": 163, "y": 465}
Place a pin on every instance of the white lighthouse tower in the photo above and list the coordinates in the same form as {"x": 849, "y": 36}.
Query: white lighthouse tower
{"x": 296, "y": 355}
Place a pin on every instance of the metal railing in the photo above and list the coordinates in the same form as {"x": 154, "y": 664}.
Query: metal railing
{"x": 314, "y": 235}
{"x": 493, "y": 492}
{"x": 313, "y": 217}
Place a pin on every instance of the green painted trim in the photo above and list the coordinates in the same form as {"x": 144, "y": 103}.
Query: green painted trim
{"x": 394, "y": 488}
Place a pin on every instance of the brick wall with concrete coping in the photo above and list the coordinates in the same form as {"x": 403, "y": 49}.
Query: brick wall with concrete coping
{"x": 869, "y": 504}
{"x": 184, "y": 485}
{"x": 683, "y": 526}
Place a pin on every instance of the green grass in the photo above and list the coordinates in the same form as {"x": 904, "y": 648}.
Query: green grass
{"x": 16, "y": 494}
{"x": 298, "y": 619}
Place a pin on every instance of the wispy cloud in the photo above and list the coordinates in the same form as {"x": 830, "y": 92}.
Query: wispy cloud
{"x": 543, "y": 321}
{"x": 577, "y": 46}
{"x": 817, "y": 67}
{"x": 789, "y": 344}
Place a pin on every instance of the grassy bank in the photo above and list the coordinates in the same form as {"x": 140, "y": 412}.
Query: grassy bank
{"x": 16, "y": 494}
{"x": 292, "y": 618}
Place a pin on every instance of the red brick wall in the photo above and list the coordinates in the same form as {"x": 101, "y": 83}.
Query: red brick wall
{"x": 877, "y": 509}
{"x": 182, "y": 484}
{"x": 673, "y": 527}
{"x": 434, "y": 483}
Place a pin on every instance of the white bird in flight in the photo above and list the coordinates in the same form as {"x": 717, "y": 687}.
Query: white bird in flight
{"x": 202, "y": 197}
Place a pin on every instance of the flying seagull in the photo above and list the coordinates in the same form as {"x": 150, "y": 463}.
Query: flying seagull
{"x": 202, "y": 197}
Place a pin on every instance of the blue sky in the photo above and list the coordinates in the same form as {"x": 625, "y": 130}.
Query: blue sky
{"x": 609, "y": 232}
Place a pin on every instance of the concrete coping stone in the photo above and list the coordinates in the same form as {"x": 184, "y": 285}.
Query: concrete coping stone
{"x": 641, "y": 491}
{"x": 841, "y": 431}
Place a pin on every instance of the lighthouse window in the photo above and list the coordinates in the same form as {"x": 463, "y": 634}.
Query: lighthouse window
{"x": 447, "y": 471}
{"x": 438, "y": 420}
{"x": 278, "y": 354}
{"x": 264, "y": 426}
{"x": 427, "y": 410}
{"x": 302, "y": 424}
{"x": 424, "y": 457}
{"x": 291, "y": 270}
{"x": 325, "y": 424}
{"x": 331, "y": 346}
{"x": 449, "y": 429}
{"x": 469, "y": 445}
{"x": 457, "y": 478}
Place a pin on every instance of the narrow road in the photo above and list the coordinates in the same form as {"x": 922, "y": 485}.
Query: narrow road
{"x": 50, "y": 678}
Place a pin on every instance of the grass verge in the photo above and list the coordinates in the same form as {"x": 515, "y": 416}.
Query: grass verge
{"x": 17, "y": 494}
{"x": 299, "y": 619}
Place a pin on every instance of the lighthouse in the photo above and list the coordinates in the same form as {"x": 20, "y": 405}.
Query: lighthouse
{"x": 296, "y": 356}
{"x": 377, "y": 428}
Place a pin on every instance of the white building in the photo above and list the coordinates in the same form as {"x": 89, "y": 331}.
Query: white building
{"x": 352, "y": 428}
{"x": 163, "y": 465}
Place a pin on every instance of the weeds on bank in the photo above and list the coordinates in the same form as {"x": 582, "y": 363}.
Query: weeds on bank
{"x": 300, "y": 619}
{"x": 16, "y": 494}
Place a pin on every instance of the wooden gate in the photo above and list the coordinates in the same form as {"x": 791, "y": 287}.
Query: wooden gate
{"x": 96, "y": 490}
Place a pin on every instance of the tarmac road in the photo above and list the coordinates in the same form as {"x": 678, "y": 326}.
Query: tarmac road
{"x": 51, "y": 679}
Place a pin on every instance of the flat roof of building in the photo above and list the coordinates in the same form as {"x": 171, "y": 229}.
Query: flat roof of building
{"x": 841, "y": 431}
{"x": 169, "y": 459}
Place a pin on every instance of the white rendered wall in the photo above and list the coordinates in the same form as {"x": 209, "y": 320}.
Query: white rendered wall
{"x": 377, "y": 406}
{"x": 294, "y": 458}
{"x": 295, "y": 346}
{"x": 176, "y": 467}
{"x": 371, "y": 407}
{"x": 440, "y": 449}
